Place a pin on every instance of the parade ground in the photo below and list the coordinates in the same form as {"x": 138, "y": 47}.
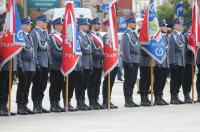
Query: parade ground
{"x": 180, "y": 118}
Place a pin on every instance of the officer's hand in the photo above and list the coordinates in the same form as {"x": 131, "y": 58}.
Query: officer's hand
{"x": 172, "y": 65}
{"x": 38, "y": 68}
{"x": 130, "y": 65}
{"x": 20, "y": 71}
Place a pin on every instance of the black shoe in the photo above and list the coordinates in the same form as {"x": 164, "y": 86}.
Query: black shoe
{"x": 54, "y": 108}
{"x": 188, "y": 99}
{"x": 71, "y": 108}
{"x": 28, "y": 110}
{"x": 5, "y": 108}
{"x": 120, "y": 79}
{"x": 93, "y": 105}
{"x": 2, "y": 113}
{"x": 129, "y": 103}
{"x": 198, "y": 100}
{"x": 180, "y": 101}
{"x": 80, "y": 106}
{"x": 21, "y": 110}
{"x": 36, "y": 108}
{"x": 59, "y": 107}
{"x": 86, "y": 106}
{"x": 42, "y": 108}
{"x": 175, "y": 100}
{"x": 158, "y": 101}
{"x": 145, "y": 101}
{"x": 97, "y": 103}
{"x": 112, "y": 106}
{"x": 164, "y": 102}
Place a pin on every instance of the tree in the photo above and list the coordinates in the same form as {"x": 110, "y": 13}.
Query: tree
{"x": 167, "y": 11}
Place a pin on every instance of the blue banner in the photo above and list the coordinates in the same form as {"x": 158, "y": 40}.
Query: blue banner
{"x": 155, "y": 48}
{"x": 179, "y": 8}
{"x": 77, "y": 44}
{"x": 18, "y": 38}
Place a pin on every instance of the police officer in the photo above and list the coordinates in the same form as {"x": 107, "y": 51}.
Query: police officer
{"x": 27, "y": 67}
{"x": 4, "y": 80}
{"x": 189, "y": 59}
{"x": 176, "y": 60}
{"x": 145, "y": 77}
{"x": 56, "y": 77}
{"x": 161, "y": 70}
{"x": 113, "y": 74}
{"x": 75, "y": 83}
{"x": 198, "y": 75}
{"x": 43, "y": 60}
{"x": 130, "y": 46}
{"x": 86, "y": 48}
{"x": 97, "y": 56}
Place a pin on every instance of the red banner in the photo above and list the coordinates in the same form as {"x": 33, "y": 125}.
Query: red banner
{"x": 12, "y": 39}
{"x": 193, "y": 37}
{"x": 69, "y": 58}
{"x": 110, "y": 60}
{"x": 144, "y": 32}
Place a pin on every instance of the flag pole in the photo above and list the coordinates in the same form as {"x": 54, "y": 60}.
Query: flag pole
{"x": 109, "y": 91}
{"x": 152, "y": 79}
{"x": 193, "y": 68}
{"x": 10, "y": 86}
{"x": 66, "y": 94}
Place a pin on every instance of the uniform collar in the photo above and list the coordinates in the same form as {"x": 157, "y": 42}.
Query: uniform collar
{"x": 94, "y": 31}
{"x": 57, "y": 33}
{"x": 133, "y": 31}
{"x": 39, "y": 28}
{"x": 26, "y": 33}
{"x": 179, "y": 33}
{"x": 83, "y": 32}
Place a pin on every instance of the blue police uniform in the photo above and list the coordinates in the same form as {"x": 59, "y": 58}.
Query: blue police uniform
{"x": 43, "y": 60}
{"x": 130, "y": 46}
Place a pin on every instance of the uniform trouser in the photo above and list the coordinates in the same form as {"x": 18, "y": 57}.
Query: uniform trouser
{"x": 187, "y": 79}
{"x": 86, "y": 80}
{"x": 130, "y": 76}
{"x": 160, "y": 78}
{"x": 4, "y": 86}
{"x": 95, "y": 83}
{"x": 23, "y": 87}
{"x": 39, "y": 84}
{"x": 75, "y": 83}
{"x": 113, "y": 74}
{"x": 176, "y": 79}
{"x": 145, "y": 80}
{"x": 57, "y": 85}
{"x": 198, "y": 81}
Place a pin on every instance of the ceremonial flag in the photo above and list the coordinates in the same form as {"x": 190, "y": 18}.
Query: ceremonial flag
{"x": 193, "y": 37}
{"x": 111, "y": 43}
{"x": 150, "y": 35}
{"x": 12, "y": 39}
{"x": 71, "y": 46}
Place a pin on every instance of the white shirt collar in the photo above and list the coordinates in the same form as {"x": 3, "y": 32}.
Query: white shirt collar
{"x": 58, "y": 33}
{"x": 39, "y": 28}
{"x": 26, "y": 33}
{"x": 83, "y": 32}
{"x": 179, "y": 33}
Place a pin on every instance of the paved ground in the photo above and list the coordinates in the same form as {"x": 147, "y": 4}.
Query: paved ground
{"x": 182, "y": 118}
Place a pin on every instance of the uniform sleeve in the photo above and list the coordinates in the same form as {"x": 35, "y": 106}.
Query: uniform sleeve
{"x": 35, "y": 43}
{"x": 19, "y": 61}
{"x": 172, "y": 44}
{"x": 126, "y": 48}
